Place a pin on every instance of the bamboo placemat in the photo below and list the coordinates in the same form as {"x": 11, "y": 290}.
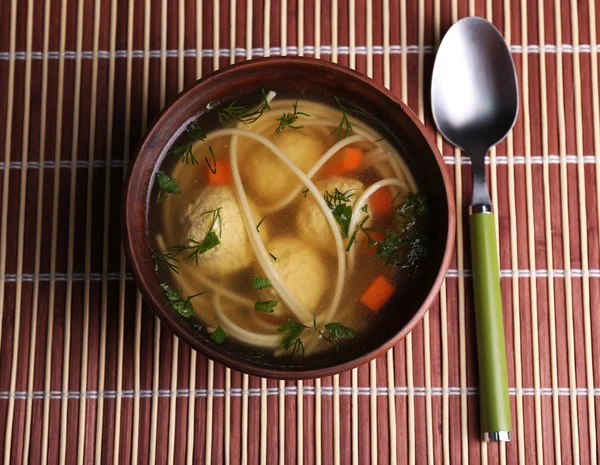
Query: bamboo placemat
{"x": 88, "y": 375}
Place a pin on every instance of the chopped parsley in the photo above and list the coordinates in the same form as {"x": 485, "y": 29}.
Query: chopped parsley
{"x": 334, "y": 332}
{"x": 287, "y": 120}
{"x": 162, "y": 261}
{"x": 291, "y": 340}
{"x": 259, "y": 283}
{"x": 304, "y": 192}
{"x": 196, "y": 248}
{"x": 218, "y": 336}
{"x": 265, "y": 306}
{"x": 183, "y": 307}
{"x": 168, "y": 186}
{"x": 338, "y": 204}
{"x": 273, "y": 257}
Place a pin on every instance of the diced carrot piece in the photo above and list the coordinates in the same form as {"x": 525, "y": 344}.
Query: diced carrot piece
{"x": 371, "y": 249}
{"x": 378, "y": 293}
{"x": 345, "y": 161}
{"x": 381, "y": 202}
{"x": 222, "y": 174}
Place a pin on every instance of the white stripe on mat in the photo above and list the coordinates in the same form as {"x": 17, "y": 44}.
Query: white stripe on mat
{"x": 292, "y": 391}
{"x": 275, "y": 51}
{"x": 452, "y": 273}
{"x": 449, "y": 159}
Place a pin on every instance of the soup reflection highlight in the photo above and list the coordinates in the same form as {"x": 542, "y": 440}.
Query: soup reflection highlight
{"x": 287, "y": 228}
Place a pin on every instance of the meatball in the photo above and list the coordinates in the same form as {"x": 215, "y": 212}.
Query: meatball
{"x": 268, "y": 178}
{"x": 311, "y": 221}
{"x": 234, "y": 252}
{"x": 301, "y": 269}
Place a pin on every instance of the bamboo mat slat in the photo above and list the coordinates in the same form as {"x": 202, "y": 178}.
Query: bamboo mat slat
{"x": 89, "y": 375}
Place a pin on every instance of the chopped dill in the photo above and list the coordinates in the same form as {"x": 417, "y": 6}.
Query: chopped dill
{"x": 195, "y": 131}
{"x": 337, "y": 203}
{"x": 287, "y": 120}
{"x": 240, "y": 113}
{"x": 355, "y": 233}
{"x": 273, "y": 257}
{"x": 304, "y": 192}
{"x": 230, "y": 113}
{"x": 168, "y": 186}
{"x": 344, "y": 128}
{"x": 185, "y": 151}
{"x": 405, "y": 243}
{"x": 379, "y": 140}
{"x": 259, "y": 223}
{"x": 162, "y": 261}
{"x": 196, "y": 248}
{"x": 213, "y": 167}
{"x": 365, "y": 208}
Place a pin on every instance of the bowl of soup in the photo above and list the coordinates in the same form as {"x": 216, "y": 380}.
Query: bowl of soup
{"x": 288, "y": 218}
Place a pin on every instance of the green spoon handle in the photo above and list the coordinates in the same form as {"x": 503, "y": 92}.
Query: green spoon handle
{"x": 491, "y": 351}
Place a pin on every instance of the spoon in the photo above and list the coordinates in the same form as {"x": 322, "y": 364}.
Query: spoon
{"x": 475, "y": 102}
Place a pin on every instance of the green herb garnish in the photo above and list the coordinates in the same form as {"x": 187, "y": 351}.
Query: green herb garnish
{"x": 405, "y": 243}
{"x": 287, "y": 120}
{"x": 338, "y": 331}
{"x": 265, "y": 306}
{"x": 162, "y": 261}
{"x": 168, "y": 186}
{"x": 240, "y": 113}
{"x": 337, "y": 203}
{"x": 259, "y": 283}
{"x": 379, "y": 140}
{"x": 334, "y": 332}
{"x": 273, "y": 257}
{"x": 172, "y": 294}
{"x": 344, "y": 128}
{"x": 213, "y": 167}
{"x": 185, "y": 151}
{"x": 359, "y": 227}
{"x": 291, "y": 340}
{"x": 365, "y": 208}
{"x": 304, "y": 192}
{"x": 183, "y": 307}
{"x": 259, "y": 223}
{"x": 196, "y": 248}
{"x": 405, "y": 247}
{"x": 218, "y": 336}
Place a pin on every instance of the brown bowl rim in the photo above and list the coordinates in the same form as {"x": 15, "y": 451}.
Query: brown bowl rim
{"x": 140, "y": 269}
